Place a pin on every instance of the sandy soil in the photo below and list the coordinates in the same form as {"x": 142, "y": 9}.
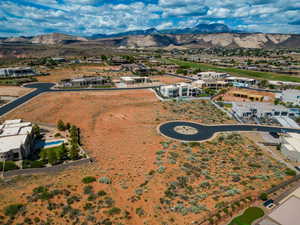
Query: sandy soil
{"x": 72, "y": 71}
{"x": 118, "y": 129}
{"x": 168, "y": 79}
{"x": 13, "y": 91}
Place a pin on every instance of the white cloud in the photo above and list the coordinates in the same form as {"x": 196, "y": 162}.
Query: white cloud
{"x": 86, "y": 17}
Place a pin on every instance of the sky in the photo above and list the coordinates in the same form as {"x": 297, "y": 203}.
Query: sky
{"x": 88, "y": 17}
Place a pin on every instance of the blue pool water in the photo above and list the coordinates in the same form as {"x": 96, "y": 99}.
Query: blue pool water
{"x": 43, "y": 144}
{"x": 53, "y": 143}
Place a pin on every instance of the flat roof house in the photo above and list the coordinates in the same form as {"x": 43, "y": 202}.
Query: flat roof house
{"x": 286, "y": 213}
{"x": 210, "y": 76}
{"x": 240, "y": 81}
{"x": 86, "y": 81}
{"x": 134, "y": 80}
{"x": 290, "y": 146}
{"x": 258, "y": 109}
{"x": 217, "y": 84}
{"x": 291, "y": 96}
{"x": 16, "y": 140}
{"x": 16, "y": 72}
{"x": 179, "y": 90}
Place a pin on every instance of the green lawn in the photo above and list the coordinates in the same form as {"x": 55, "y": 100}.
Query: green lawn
{"x": 251, "y": 214}
{"x": 237, "y": 72}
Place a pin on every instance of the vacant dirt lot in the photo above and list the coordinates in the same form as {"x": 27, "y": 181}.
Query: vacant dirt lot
{"x": 13, "y": 91}
{"x": 72, "y": 71}
{"x": 153, "y": 180}
{"x": 168, "y": 79}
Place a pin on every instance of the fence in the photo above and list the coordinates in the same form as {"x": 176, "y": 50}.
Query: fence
{"x": 52, "y": 169}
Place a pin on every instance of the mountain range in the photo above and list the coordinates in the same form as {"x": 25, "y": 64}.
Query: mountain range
{"x": 199, "y": 29}
{"x": 202, "y": 35}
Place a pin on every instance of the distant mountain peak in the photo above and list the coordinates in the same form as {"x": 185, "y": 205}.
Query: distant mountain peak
{"x": 198, "y": 29}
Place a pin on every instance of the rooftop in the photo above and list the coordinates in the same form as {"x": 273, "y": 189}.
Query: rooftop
{"x": 13, "y": 133}
{"x": 288, "y": 212}
{"x": 293, "y": 142}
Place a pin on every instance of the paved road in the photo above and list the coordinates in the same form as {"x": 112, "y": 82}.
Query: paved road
{"x": 46, "y": 87}
{"x": 40, "y": 88}
{"x": 206, "y": 132}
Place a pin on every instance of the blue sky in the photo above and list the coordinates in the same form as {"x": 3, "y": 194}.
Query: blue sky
{"x": 87, "y": 17}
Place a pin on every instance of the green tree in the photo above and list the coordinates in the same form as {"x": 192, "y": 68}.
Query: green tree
{"x": 52, "y": 157}
{"x": 36, "y": 131}
{"x": 43, "y": 155}
{"x": 74, "y": 152}
{"x": 61, "y": 125}
{"x": 263, "y": 196}
{"x": 263, "y": 83}
{"x": 62, "y": 153}
{"x": 104, "y": 57}
{"x": 68, "y": 126}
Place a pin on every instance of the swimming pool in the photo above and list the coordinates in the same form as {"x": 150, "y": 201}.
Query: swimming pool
{"x": 43, "y": 144}
{"x": 47, "y": 144}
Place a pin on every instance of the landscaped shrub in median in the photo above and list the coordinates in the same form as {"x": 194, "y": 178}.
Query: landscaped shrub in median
{"x": 88, "y": 179}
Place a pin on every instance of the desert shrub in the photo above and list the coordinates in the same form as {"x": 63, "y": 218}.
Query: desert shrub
{"x": 109, "y": 202}
{"x": 39, "y": 189}
{"x": 14, "y": 209}
{"x": 88, "y": 179}
{"x": 72, "y": 199}
{"x": 232, "y": 192}
{"x": 205, "y": 184}
{"x": 113, "y": 211}
{"x": 88, "y": 206}
{"x": 92, "y": 197}
{"x": 263, "y": 196}
{"x": 161, "y": 169}
{"x": 165, "y": 144}
{"x": 254, "y": 165}
{"x": 101, "y": 193}
{"x": 105, "y": 180}
{"x": 36, "y": 219}
{"x": 140, "y": 211}
{"x": 88, "y": 190}
{"x": 160, "y": 152}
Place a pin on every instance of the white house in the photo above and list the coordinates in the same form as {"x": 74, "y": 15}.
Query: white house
{"x": 210, "y": 76}
{"x": 16, "y": 72}
{"x": 258, "y": 109}
{"x": 212, "y": 84}
{"x": 290, "y": 96}
{"x": 134, "y": 80}
{"x": 290, "y": 146}
{"x": 179, "y": 90}
{"x": 16, "y": 140}
{"x": 240, "y": 81}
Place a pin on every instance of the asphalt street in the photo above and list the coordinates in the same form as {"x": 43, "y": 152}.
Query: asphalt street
{"x": 206, "y": 132}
